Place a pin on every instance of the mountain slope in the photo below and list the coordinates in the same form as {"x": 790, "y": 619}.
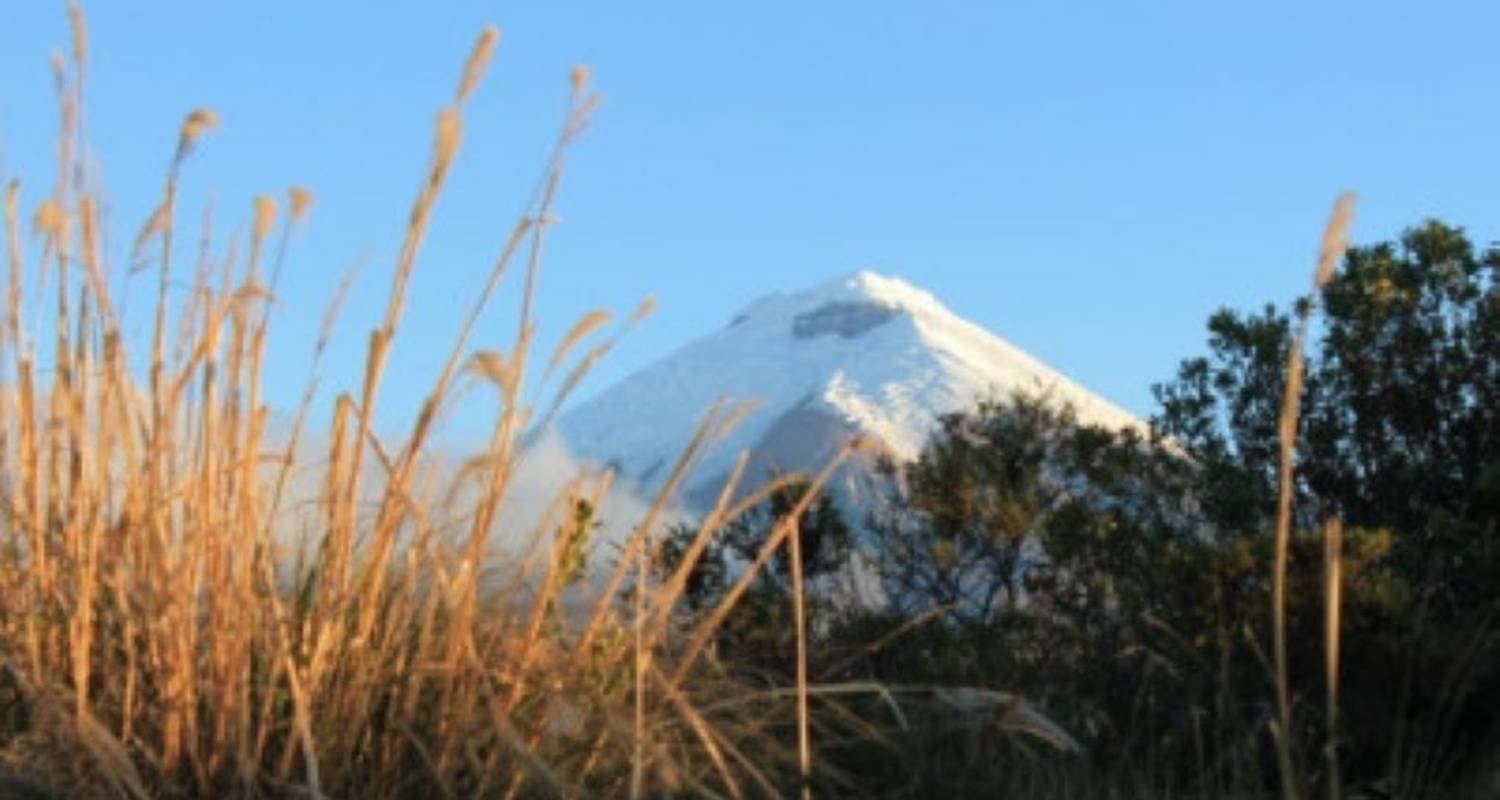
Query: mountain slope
{"x": 864, "y": 354}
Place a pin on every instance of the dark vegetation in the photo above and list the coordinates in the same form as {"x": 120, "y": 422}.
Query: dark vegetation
{"x": 1121, "y": 580}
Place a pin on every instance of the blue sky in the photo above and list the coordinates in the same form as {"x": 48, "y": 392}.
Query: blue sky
{"x": 1088, "y": 180}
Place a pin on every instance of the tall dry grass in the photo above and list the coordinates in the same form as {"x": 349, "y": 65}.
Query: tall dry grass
{"x": 1333, "y": 246}
{"x": 159, "y": 637}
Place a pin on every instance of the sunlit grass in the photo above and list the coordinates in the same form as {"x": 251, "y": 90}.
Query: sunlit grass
{"x": 163, "y": 634}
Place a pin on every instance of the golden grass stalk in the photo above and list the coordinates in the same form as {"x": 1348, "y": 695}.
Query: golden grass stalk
{"x": 602, "y": 612}
{"x": 13, "y": 253}
{"x": 799, "y": 619}
{"x": 586, "y": 325}
{"x": 779, "y": 535}
{"x": 226, "y": 620}
{"x": 1332, "y": 250}
{"x": 479, "y": 57}
{"x": 445, "y": 146}
{"x": 1333, "y": 596}
{"x": 671, "y": 590}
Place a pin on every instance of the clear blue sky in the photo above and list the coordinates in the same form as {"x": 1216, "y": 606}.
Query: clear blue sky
{"x": 1089, "y": 180}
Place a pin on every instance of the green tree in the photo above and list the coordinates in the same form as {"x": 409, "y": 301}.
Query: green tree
{"x": 1143, "y": 558}
{"x": 955, "y": 534}
{"x": 1401, "y": 439}
{"x": 1402, "y": 409}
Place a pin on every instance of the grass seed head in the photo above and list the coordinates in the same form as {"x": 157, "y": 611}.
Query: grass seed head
{"x": 1334, "y": 238}
{"x": 300, "y": 201}
{"x": 484, "y": 48}
{"x": 644, "y": 310}
{"x": 265, "y": 215}
{"x": 80, "y": 34}
{"x": 51, "y": 219}
{"x": 196, "y": 123}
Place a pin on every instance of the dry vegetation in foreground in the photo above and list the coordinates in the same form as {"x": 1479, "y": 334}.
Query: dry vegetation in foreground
{"x": 162, "y": 634}
{"x": 158, "y": 637}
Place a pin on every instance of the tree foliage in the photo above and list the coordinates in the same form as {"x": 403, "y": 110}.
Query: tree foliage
{"x": 1124, "y": 574}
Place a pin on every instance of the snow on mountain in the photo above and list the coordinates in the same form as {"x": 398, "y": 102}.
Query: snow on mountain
{"x": 866, "y": 354}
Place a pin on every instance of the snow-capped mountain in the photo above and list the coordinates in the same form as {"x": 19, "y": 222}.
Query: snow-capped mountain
{"x": 865, "y": 354}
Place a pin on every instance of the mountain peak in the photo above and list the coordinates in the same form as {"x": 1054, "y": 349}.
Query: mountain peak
{"x": 865, "y": 353}
{"x": 887, "y": 289}
{"x": 847, "y": 306}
